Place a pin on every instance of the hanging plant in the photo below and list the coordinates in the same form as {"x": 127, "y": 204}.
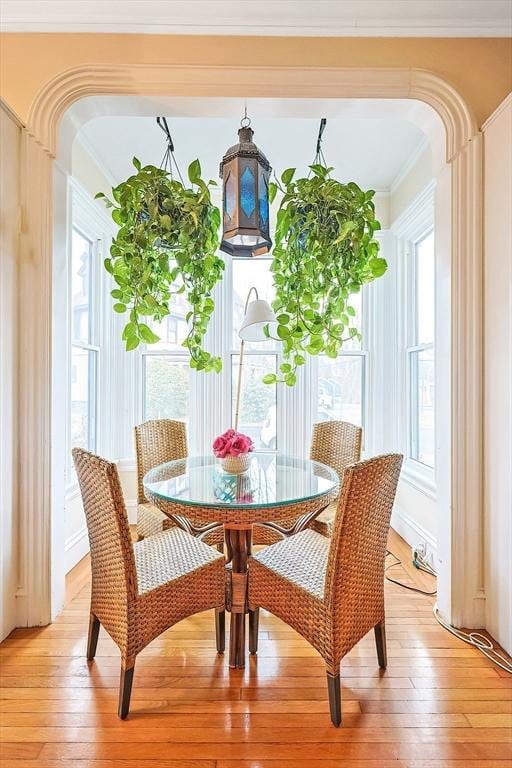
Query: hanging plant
{"x": 166, "y": 244}
{"x": 324, "y": 252}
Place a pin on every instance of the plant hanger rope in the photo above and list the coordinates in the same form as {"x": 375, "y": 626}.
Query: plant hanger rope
{"x": 168, "y": 158}
{"x": 319, "y": 155}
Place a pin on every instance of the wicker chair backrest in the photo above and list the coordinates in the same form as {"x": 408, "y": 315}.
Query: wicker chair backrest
{"x": 355, "y": 570}
{"x": 114, "y": 580}
{"x": 157, "y": 442}
{"x": 337, "y": 444}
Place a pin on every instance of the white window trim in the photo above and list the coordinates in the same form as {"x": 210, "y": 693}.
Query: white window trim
{"x": 89, "y": 218}
{"x": 415, "y": 223}
{"x": 296, "y": 407}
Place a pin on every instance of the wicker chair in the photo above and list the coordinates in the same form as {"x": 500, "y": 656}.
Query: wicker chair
{"x": 331, "y": 591}
{"x": 155, "y": 443}
{"x": 337, "y": 444}
{"x": 139, "y": 590}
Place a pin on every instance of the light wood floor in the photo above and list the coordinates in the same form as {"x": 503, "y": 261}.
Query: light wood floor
{"x": 439, "y": 704}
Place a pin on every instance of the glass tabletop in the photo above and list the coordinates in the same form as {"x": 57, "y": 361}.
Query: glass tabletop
{"x": 271, "y": 481}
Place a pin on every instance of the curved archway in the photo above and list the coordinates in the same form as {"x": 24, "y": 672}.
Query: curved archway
{"x": 461, "y": 584}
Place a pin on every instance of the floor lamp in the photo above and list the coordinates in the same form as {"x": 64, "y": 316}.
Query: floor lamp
{"x": 257, "y": 314}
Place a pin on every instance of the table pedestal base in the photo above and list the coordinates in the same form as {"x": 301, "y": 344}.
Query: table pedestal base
{"x": 238, "y": 546}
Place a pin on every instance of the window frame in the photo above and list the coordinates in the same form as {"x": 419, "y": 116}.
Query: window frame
{"x": 171, "y": 355}
{"x": 80, "y": 225}
{"x": 88, "y": 217}
{"x": 363, "y": 354}
{"x": 413, "y": 226}
{"x": 413, "y": 351}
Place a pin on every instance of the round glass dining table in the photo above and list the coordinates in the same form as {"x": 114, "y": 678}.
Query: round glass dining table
{"x": 200, "y": 497}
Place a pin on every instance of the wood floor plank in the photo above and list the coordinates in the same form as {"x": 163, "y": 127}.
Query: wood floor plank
{"x": 256, "y": 734}
{"x": 439, "y": 704}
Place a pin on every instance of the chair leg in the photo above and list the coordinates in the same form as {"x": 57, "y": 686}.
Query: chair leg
{"x": 334, "y": 690}
{"x": 254, "y": 620}
{"x": 220, "y": 629}
{"x": 92, "y": 640}
{"x": 125, "y": 691}
{"x": 380, "y": 642}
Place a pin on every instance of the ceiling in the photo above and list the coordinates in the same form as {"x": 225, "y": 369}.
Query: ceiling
{"x": 380, "y": 18}
{"x": 370, "y": 142}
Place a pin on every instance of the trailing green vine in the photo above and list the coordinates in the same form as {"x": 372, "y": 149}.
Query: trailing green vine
{"x": 166, "y": 244}
{"x": 324, "y": 251}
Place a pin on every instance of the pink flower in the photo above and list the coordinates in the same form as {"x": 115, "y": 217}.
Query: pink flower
{"x": 231, "y": 443}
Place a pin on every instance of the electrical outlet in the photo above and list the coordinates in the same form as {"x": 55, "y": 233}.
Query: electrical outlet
{"x": 422, "y": 553}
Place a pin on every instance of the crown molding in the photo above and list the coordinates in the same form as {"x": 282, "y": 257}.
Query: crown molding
{"x": 409, "y": 164}
{"x": 284, "y": 18}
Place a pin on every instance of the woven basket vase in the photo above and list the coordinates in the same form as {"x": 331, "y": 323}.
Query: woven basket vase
{"x": 236, "y": 465}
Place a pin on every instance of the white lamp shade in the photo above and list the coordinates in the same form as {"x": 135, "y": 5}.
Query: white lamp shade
{"x": 259, "y": 314}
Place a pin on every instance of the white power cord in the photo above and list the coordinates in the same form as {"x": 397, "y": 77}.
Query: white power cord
{"x": 478, "y": 641}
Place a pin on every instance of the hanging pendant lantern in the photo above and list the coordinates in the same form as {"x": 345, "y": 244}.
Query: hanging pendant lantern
{"x": 245, "y": 173}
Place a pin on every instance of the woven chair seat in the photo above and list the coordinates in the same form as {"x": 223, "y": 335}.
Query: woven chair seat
{"x": 151, "y": 520}
{"x": 300, "y": 559}
{"x": 167, "y": 556}
{"x": 324, "y": 522}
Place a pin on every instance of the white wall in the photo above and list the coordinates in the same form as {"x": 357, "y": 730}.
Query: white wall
{"x": 9, "y": 224}
{"x": 498, "y": 373}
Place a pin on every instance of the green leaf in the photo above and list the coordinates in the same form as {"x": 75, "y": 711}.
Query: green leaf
{"x": 345, "y": 229}
{"x": 108, "y": 266}
{"x": 119, "y": 307}
{"x": 290, "y": 379}
{"x": 283, "y": 332}
{"x": 147, "y": 335}
{"x": 165, "y": 222}
{"x": 378, "y": 267}
{"x": 272, "y": 192}
{"x": 320, "y": 170}
{"x": 130, "y": 329}
{"x": 132, "y": 342}
{"x": 136, "y": 163}
{"x": 269, "y": 378}
{"x": 287, "y": 175}
{"x": 194, "y": 171}
{"x": 117, "y": 215}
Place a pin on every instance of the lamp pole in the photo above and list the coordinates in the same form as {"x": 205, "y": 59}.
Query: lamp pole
{"x": 241, "y": 362}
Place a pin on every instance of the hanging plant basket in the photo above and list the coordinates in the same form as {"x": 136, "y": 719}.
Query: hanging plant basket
{"x": 166, "y": 244}
{"x": 324, "y": 252}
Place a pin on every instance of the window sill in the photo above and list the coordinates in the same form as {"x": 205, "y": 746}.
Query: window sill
{"x": 420, "y": 477}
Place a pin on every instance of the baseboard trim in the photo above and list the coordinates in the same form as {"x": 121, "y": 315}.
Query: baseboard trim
{"x": 76, "y": 548}
{"x": 413, "y": 532}
{"x": 131, "y": 509}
